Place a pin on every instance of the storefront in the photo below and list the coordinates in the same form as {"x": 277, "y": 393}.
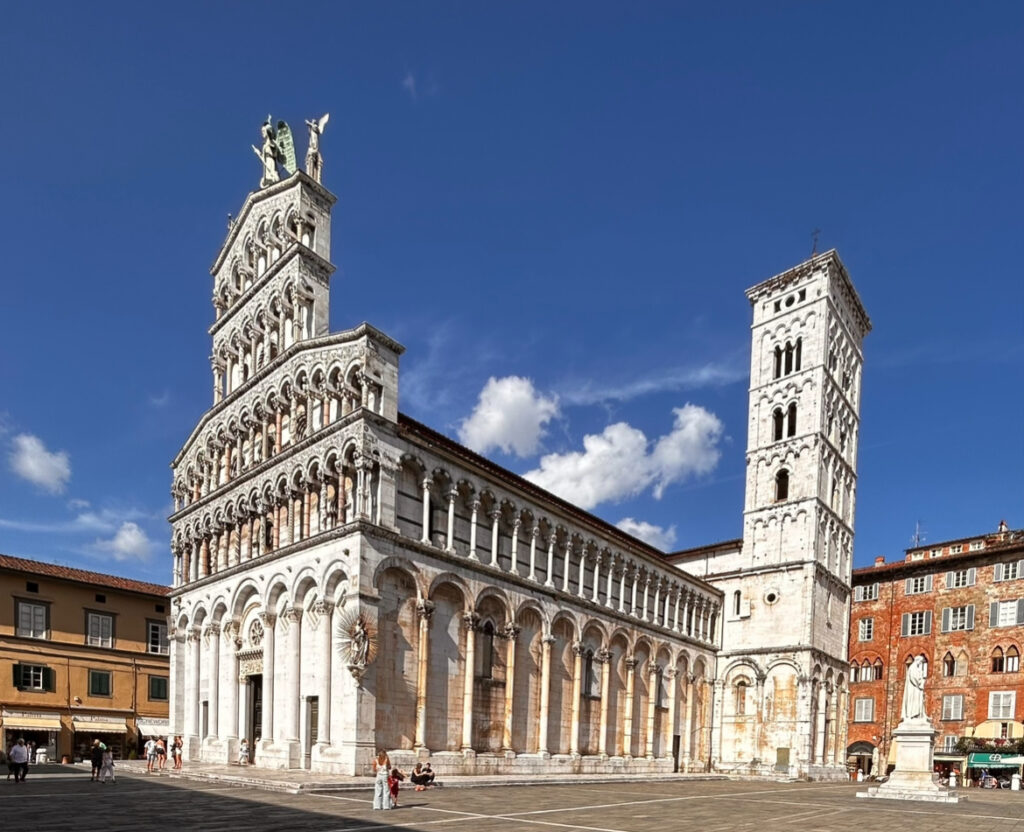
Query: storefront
{"x": 862, "y": 757}
{"x": 39, "y": 729}
{"x": 146, "y": 728}
{"x": 999, "y": 766}
{"x": 109, "y": 730}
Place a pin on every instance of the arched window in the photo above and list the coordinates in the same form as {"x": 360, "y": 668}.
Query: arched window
{"x": 878, "y": 669}
{"x": 998, "y": 660}
{"x": 777, "y": 420}
{"x": 486, "y": 649}
{"x": 741, "y": 698}
{"x": 778, "y": 362}
{"x": 591, "y": 676}
{"x": 791, "y": 420}
{"x": 854, "y": 672}
{"x": 948, "y": 665}
{"x": 924, "y": 658}
{"x": 1012, "y": 660}
{"x": 799, "y": 346}
{"x": 737, "y": 599}
{"x": 782, "y": 486}
{"x": 961, "y": 664}
{"x": 789, "y": 358}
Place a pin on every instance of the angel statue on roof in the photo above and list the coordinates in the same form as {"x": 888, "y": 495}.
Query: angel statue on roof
{"x": 314, "y": 161}
{"x": 268, "y": 154}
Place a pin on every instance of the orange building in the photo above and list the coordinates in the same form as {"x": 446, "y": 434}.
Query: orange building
{"x": 83, "y": 655}
{"x": 960, "y": 604}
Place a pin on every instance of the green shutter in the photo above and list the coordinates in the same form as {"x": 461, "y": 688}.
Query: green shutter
{"x": 17, "y": 675}
{"x": 49, "y": 679}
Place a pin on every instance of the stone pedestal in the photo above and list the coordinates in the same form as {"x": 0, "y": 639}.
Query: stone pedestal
{"x": 914, "y": 778}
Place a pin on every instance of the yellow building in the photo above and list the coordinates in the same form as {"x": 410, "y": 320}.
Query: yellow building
{"x": 83, "y": 655}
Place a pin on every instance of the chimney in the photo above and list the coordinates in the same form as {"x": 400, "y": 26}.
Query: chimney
{"x": 880, "y": 560}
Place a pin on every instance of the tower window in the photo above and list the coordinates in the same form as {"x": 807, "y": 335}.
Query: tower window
{"x": 737, "y": 598}
{"x": 799, "y": 349}
{"x": 778, "y": 362}
{"x": 777, "y": 420}
{"x": 789, "y": 358}
{"x": 741, "y": 698}
{"x": 782, "y": 486}
{"x": 791, "y": 420}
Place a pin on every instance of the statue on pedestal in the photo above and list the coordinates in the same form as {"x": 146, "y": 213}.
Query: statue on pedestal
{"x": 913, "y": 691}
{"x": 268, "y": 154}
{"x": 314, "y": 161}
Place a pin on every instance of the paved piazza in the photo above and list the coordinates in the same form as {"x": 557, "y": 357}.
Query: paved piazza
{"x": 66, "y": 799}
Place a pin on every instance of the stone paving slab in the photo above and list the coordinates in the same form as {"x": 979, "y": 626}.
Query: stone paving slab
{"x": 62, "y": 798}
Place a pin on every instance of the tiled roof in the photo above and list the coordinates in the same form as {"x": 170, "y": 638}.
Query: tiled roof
{"x": 67, "y": 573}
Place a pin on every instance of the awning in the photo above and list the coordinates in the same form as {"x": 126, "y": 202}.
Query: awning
{"x": 83, "y": 726}
{"x": 32, "y": 723}
{"x": 152, "y": 727}
{"x": 994, "y": 760}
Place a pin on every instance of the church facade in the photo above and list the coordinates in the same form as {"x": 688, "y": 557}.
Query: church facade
{"x": 347, "y": 579}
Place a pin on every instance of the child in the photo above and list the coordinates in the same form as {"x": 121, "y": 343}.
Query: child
{"x": 243, "y": 752}
{"x": 396, "y": 777}
{"x": 107, "y": 768}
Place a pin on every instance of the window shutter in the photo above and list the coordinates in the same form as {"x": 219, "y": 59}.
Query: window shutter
{"x": 858, "y": 594}
{"x": 905, "y": 625}
{"x": 997, "y": 572}
{"x": 49, "y": 679}
{"x": 927, "y": 622}
{"x": 945, "y": 619}
{"x": 1020, "y": 611}
{"x": 1020, "y": 568}
{"x": 909, "y": 588}
{"x": 972, "y": 576}
{"x": 993, "y": 614}
{"x": 927, "y": 583}
{"x": 950, "y": 577}
{"x": 16, "y": 681}
{"x": 970, "y": 616}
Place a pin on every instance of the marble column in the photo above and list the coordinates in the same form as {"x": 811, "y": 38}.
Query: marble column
{"x": 549, "y": 581}
{"x": 213, "y": 682}
{"x": 513, "y": 566}
{"x": 652, "y": 704}
{"x": 686, "y": 742}
{"x": 324, "y": 612}
{"x": 577, "y": 693}
{"x": 474, "y": 510}
{"x": 534, "y": 534}
{"x": 510, "y": 633}
{"x": 230, "y": 630}
{"x": 627, "y": 721}
{"x": 470, "y": 621}
{"x": 567, "y": 564}
{"x": 450, "y": 536}
{"x": 609, "y": 581}
{"x": 634, "y": 580}
{"x": 604, "y": 657}
{"x": 622, "y": 586}
{"x": 293, "y": 617}
{"x": 672, "y": 716}
{"x": 425, "y": 537}
{"x": 657, "y": 600}
{"x": 583, "y": 571}
{"x": 596, "y": 594}
{"x": 495, "y": 515}
{"x": 192, "y": 683}
{"x": 545, "y": 692}
{"x": 269, "y": 674}
{"x": 424, "y": 611}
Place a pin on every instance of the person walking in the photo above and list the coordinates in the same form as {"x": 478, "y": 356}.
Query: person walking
{"x": 243, "y": 752}
{"x": 107, "y": 767}
{"x": 161, "y": 753}
{"x": 177, "y": 753}
{"x": 150, "y": 750}
{"x": 96, "y": 758}
{"x": 381, "y": 770}
{"x": 18, "y": 758}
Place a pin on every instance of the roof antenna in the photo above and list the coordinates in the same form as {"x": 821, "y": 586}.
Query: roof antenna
{"x": 918, "y": 537}
{"x": 814, "y": 238}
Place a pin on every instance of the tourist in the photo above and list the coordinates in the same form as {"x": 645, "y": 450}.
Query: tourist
{"x": 381, "y": 790}
{"x": 107, "y": 767}
{"x": 421, "y": 777}
{"x": 96, "y": 758}
{"x": 394, "y": 778}
{"x": 161, "y": 753}
{"x": 177, "y": 753}
{"x": 243, "y": 752}
{"x": 150, "y": 751}
{"x": 18, "y": 758}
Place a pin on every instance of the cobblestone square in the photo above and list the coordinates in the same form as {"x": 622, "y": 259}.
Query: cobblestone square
{"x": 65, "y": 799}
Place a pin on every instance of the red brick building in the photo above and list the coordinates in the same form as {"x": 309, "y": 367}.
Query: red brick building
{"x": 960, "y": 604}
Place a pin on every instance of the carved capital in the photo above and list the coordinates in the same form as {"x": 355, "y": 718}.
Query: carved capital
{"x": 321, "y": 608}
{"x": 425, "y": 609}
{"x": 213, "y": 630}
{"x": 510, "y": 632}
{"x": 293, "y": 615}
{"x": 632, "y": 662}
{"x": 494, "y": 514}
{"x": 603, "y": 656}
{"x": 470, "y": 620}
{"x": 548, "y": 639}
{"x": 577, "y": 648}
{"x": 268, "y": 620}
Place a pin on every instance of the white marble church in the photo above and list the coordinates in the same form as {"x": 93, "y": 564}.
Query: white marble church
{"x": 346, "y": 578}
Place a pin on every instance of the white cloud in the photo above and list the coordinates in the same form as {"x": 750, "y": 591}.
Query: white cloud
{"x": 409, "y": 85}
{"x": 32, "y": 461}
{"x": 130, "y": 543}
{"x": 686, "y": 378}
{"x": 621, "y": 462}
{"x": 77, "y": 504}
{"x": 511, "y": 415}
{"x": 160, "y": 400}
{"x": 658, "y": 537}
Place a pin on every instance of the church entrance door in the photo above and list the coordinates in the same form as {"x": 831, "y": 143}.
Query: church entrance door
{"x": 255, "y": 711}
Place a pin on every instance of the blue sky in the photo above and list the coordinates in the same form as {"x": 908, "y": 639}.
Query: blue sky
{"x": 567, "y": 198}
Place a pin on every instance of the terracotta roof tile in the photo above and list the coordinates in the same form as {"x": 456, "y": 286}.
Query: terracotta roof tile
{"x": 67, "y": 573}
